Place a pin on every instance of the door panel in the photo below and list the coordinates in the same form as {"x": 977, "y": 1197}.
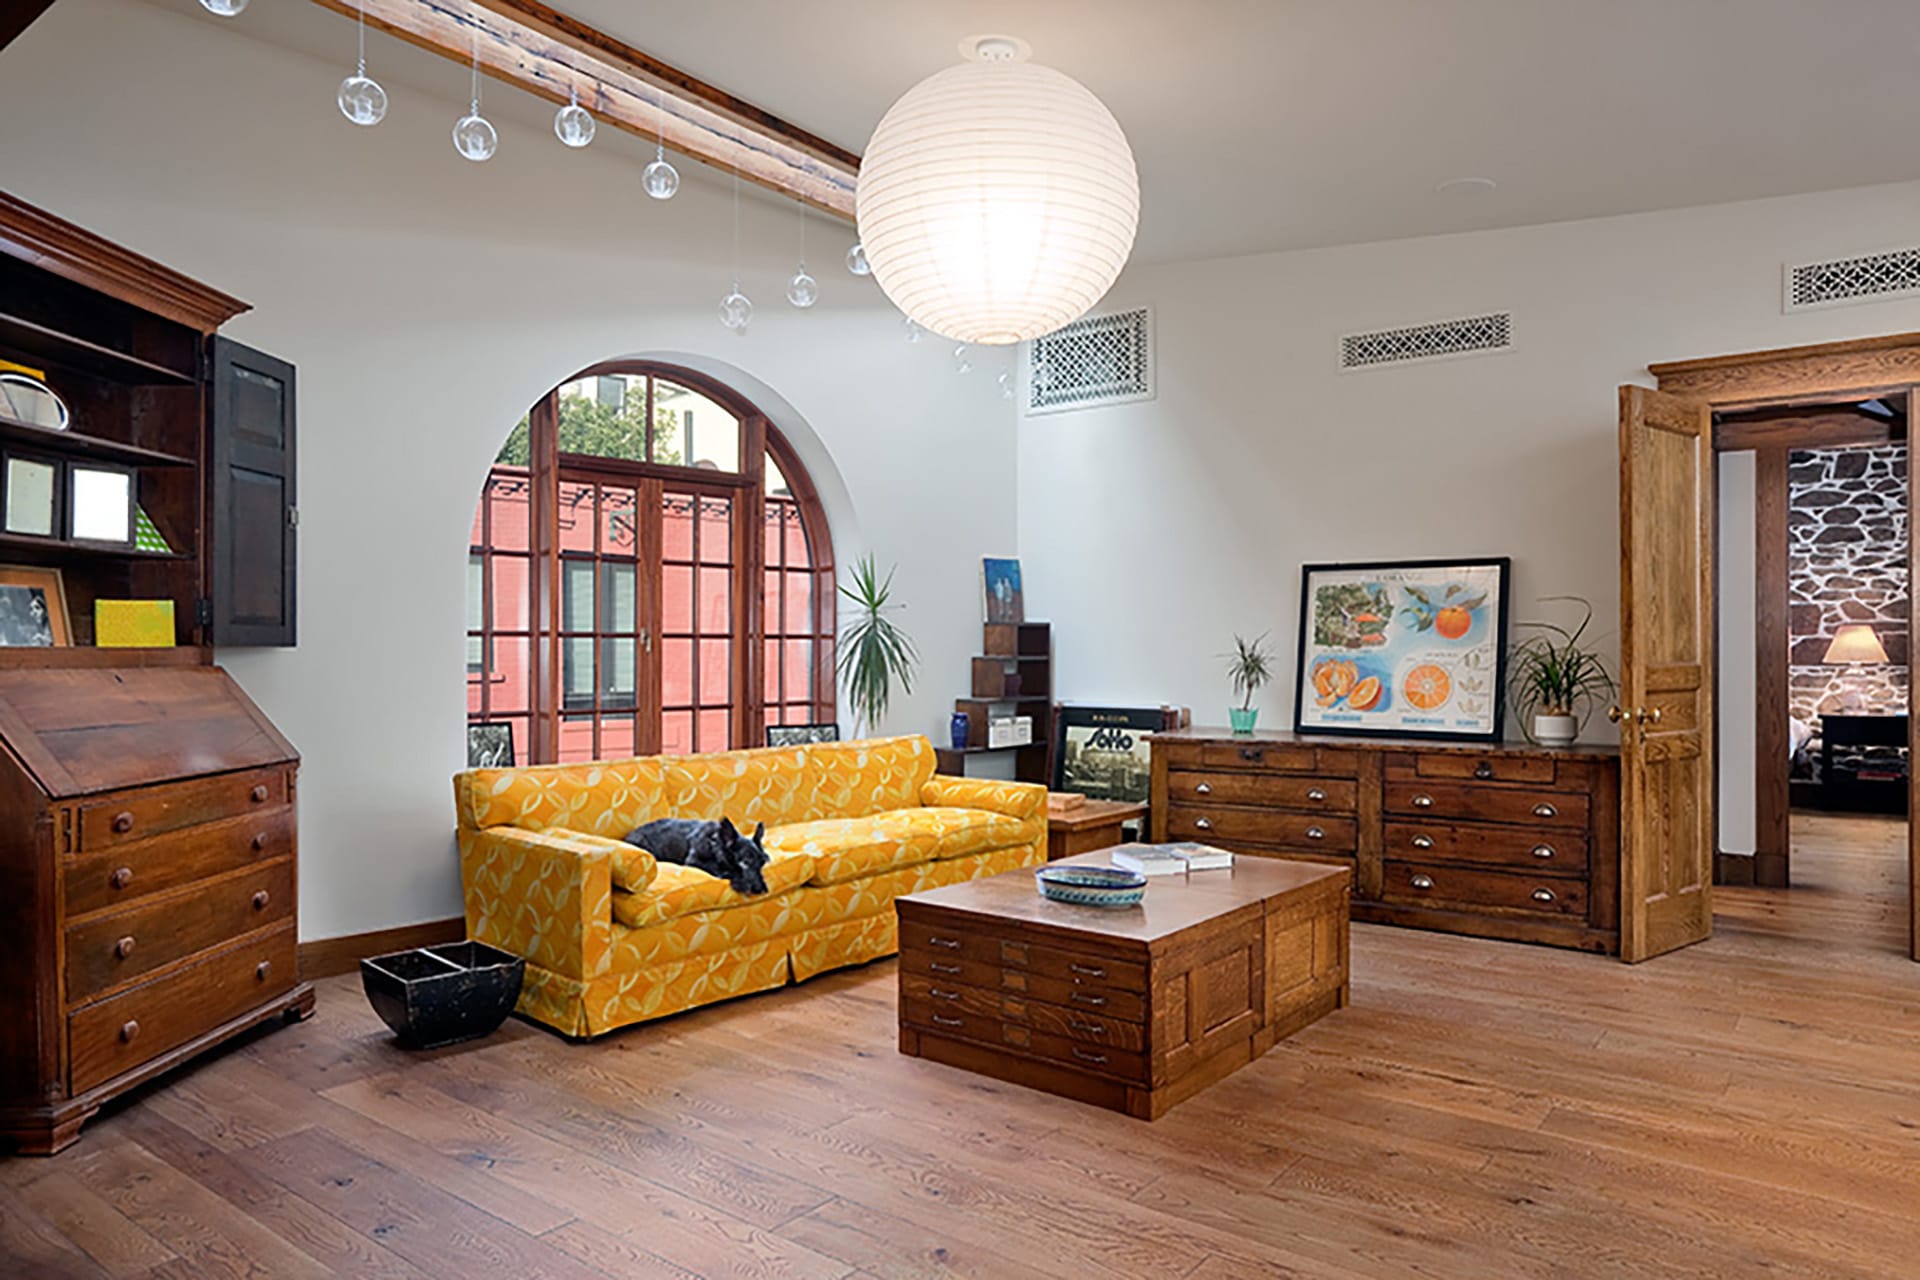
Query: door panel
{"x": 1666, "y": 672}
{"x": 252, "y": 520}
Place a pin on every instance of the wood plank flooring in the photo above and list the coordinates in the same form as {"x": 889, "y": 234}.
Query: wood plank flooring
{"x": 1746, "y": 1107}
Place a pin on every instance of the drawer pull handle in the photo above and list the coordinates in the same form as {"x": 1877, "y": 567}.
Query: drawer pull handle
{"x": 121, "y": 878}
{"x": 1086, "y": 970}
{"x": 128, "y": 1030}
{"x": 1316, "y": 795}
{"x": 261, "y": 899}
{"x": 1545, "y": 810}
{"x": 259, "y": 794}
{"x": 1205, "y": 824}
{"x": 938, "y": 994}
{"x": 937, "y": 967}
{"x": 123, "y": 948}
{"x": 260, "y": 842}
{"x": 1423, "y": 842}
{"x": 1483, "y": 771}
{"x": 1088, "y": 1055}
{"x": 951, "y": 944}
{"x": 1083, "y": 998}
{"x": 1253, "y": 754}
{"x": 1204, "y": 789}
{"x": 1086, "y": 1028}
{"x": 1423, "y": 882}
{"x": 1423, "y": 801}
{"x": 1543, "y": 895}
{"x": 122, "y": 823}
{"x": 1543, "y": 851}
{"x": 1316, "y": 833}
{"x": 949, "y": 1022}
{"x": 264, "y": 971}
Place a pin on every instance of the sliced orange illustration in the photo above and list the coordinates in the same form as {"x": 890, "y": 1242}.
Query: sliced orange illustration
{"x": 1428, "y": 687}
{"x": 1366, "y": 694}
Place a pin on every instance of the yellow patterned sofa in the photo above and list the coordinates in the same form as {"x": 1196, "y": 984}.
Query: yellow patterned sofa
{"x": 612, "y": 937}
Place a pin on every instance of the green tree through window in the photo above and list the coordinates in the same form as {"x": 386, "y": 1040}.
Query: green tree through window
{"x": 604, "y": 431}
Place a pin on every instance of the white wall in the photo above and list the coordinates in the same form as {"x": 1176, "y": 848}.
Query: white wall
{"x": 1738, "y": 693}
{"x": 426, "y": 302}
{"x": 1151, "y": 532}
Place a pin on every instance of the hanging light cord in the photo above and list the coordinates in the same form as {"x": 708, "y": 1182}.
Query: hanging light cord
{"x": 736, "y": 230}
{"x": 363, "y": 37}
{"x": 803, "y": 235}
{"x": 476, "y": 70}
{"x": 660, "y": 127}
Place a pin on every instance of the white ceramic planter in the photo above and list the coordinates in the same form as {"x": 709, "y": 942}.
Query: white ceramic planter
{"x": 1555, "y": 731}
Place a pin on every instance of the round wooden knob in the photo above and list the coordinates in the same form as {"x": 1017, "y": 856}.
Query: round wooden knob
{"x": 124, "y": 947}
{"x": 128, "y": 1030}
{"x": 264, "y": 971}
{"x": 121, "y": 878}
{"x": 261, "y": 899}
{"x": 122, "y": 823}
{"x": 260, "y": 842}
{"x": 260, "y": 794}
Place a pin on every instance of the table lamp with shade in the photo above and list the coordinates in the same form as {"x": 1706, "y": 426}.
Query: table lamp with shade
{"x": 1853, "y": 645}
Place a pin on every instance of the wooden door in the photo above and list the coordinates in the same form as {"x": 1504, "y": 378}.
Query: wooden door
{"x": 1666, "y": 672}
{"x": 252, "y": 556}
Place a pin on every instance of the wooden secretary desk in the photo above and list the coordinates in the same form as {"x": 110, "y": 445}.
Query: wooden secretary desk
{"x": 147, "y": 832}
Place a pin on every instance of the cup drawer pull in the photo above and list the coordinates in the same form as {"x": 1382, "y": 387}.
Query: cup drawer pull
{"x": 1088, "y": 1055}
{"x": 1543, "y": 895}
{"x": 1545, "y": 810}
{"x": 1086, "y": 970}
{"x": 1316, "y": 833}
{"x": 1423, "y": 801}
{"x": 1317, "y": 795}
{"x": 1205, "y": 824}
{"x": 1423, "y": 842}
{"x": 1253, "y": 755}
{"x": 1422, "y": 882}
{"x": 937, "y": 967}
{"x": 949, "y": 1022}
{"x": 1543, "y": 851}
{"x": 1203, "y": 789}
{"x": 951, "y": 944}
{"x": 1483, "y": 771}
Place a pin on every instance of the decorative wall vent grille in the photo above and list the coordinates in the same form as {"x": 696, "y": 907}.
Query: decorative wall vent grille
{"x": 1868, "y": 277}
{"x": 1493, "y": 332}
{"x": 1096, "y": 360}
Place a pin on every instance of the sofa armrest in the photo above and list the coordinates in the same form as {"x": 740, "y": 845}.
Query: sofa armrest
{"x": 1021, "y": 800}
{"x": 545, "y": 895}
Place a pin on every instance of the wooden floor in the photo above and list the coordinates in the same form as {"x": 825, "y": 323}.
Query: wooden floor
{"x": 1750, "y": 1107}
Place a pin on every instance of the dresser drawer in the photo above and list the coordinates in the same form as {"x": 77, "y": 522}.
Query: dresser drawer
{"x": 1487, "y": 804}
{"x": 1085, "y": 969}
{"x": 947, "y": 1018}
{"x": 1308, "y": 832}
{"x": 948, "y": 967}
{"x": 120, "y": 1033}
{"x": 1444, "y": 885}
{"x": 1487, "y": 768}
{"x": 1008, "y": 1007}
{"x": 119, "y": 876}
{"x": 1126, "y": 1006}
{"x": 1280, "y": 790}
{"x": 111, "y": 949}
{"x": 1542, "y": 852}
{"x": 135, "y": 815}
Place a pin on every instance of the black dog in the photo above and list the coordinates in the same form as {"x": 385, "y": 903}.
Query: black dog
{"x": 716, "y": 848}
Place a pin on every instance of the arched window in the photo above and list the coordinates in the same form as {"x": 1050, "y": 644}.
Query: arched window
{"x": 650, "y": 571}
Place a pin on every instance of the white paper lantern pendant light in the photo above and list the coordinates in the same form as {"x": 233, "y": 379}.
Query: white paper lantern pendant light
{"x": 997, "y": 199}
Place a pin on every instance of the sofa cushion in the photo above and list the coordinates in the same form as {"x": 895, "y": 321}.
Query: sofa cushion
{"x": 761, "y": 784}
{"x": 855, "y": 779}
{"x": 608, "y": 798}
{"x": 678, "y": 891}
{"x": 847, "y": 848}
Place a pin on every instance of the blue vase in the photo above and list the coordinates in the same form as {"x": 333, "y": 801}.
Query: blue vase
{"x": 958, "y": 728}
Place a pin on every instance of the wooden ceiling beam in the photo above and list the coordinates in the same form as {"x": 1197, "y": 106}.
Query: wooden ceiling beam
{"x": 546, "y": 53}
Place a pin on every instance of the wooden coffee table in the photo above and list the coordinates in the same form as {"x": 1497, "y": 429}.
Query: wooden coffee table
{"x": 1135, "y": 1009}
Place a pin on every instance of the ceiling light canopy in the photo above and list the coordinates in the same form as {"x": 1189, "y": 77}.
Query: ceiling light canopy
{"x": 997, "y": 199}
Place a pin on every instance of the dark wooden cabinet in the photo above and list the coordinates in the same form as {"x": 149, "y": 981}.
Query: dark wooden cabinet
{"x": 148, "y": 883}
{"x": 1507, "y": 841}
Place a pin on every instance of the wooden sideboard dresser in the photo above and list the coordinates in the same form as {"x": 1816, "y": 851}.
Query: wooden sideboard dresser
{"x": 147, "y": 880}
{"x": 1507, "y": 841}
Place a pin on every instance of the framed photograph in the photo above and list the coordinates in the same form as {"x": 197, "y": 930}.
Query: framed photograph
{"x": 33, "y": 608}
{"x": 1102, "y": 752}
{"x": 490, "y": 746}
{"x": 1411, "y": 648}
{"x": 100, "y": 503}
{"x": 799, "y": 735}
{"x": 1004, "y": 602}
{"x": 31, "y": 497}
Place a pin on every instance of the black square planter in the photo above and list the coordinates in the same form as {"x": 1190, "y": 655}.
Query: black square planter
{"x": 433, "y": 996}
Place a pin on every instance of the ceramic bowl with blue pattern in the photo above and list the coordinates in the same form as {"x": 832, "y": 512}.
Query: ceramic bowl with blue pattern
{"x": 1091, "y": 886}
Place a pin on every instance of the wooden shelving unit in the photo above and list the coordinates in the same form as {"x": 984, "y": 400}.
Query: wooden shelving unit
{"x": 1013, "y": 677}
{"x": 76, "y": 444}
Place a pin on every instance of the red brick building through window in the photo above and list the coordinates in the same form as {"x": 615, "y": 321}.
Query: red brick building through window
{"x": 650, "y": 571}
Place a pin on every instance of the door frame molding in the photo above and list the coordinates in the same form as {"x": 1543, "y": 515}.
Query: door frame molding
{"x": 1822, "y": 373}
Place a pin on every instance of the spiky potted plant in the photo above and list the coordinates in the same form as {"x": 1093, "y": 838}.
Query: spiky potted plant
{"x": 1556, "y": 678}
{"x": 874, "y": 651}
{"x": 1249, "y": 666}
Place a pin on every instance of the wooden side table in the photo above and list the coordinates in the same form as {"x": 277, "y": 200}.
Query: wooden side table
{"x": 1085, "y": 827}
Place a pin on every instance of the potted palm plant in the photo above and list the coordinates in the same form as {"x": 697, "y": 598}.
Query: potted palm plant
{"x": 1556, "y": 678}
{"x": 874, "y": 651}
{"x": 1249, "y": 666}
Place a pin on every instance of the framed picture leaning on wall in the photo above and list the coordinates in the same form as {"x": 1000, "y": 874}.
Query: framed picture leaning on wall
{"x": 1410, "y": 648}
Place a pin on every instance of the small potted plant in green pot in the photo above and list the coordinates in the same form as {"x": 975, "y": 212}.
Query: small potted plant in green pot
{"x": 874, "y": 651}
{"x": 1249, "y": 666}
{"x": 1556, "y": 679}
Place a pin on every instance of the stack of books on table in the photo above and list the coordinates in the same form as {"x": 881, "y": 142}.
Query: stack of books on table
{"x": 1170, "y": 859}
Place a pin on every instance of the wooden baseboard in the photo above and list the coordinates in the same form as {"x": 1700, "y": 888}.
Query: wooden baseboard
{"x": 1733, "y": 868}
{"x": 325, "y": 957}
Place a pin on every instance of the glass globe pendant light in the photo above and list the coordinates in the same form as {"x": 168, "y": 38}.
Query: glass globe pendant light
{"x": 1002, "y": 241}
{"x": 913, "y": 328}
{"x": 660, "y": 178}
{"x": 736, "y": 309}
{"x": 962, "y": 359}
{"x": 803, "y": 290}
{"x": 361, "y": 98}
{"x": 473, "y": 137}
{"x": 223, "y": 8}
{"x": 857, "y": 260}
{"x": 573, "y": 123}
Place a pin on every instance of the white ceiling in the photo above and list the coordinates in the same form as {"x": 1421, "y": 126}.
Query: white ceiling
{"x": 1283, "y": 124}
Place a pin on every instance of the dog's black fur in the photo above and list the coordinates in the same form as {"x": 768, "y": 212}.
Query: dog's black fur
{"x": 716, "y": 848}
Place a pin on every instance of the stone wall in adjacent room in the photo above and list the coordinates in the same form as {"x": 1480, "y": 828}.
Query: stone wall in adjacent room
{"x": 1846, "y": 548}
